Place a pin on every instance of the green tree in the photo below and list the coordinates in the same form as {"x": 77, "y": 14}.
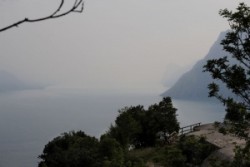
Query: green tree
{"x": 111, "y": 152}
{"x": 234, "y": 69}
{"x": 195, "y": 149}
{"x": 160, "y": 121}
{"x": 140, "y": 128}
{"x": 165, "y": 115}
{"x": 173, "y": 157}
{"x": 72, "y": 149}
{"x": 127, "y": 126}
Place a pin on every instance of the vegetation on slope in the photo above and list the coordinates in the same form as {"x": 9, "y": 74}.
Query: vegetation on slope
{"x": 138, "y": 137}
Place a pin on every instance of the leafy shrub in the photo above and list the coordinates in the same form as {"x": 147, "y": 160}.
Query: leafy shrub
{"x": 223, "y": 130}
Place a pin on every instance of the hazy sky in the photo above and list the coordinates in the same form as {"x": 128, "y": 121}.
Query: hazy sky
{"x": 115, "y": 45}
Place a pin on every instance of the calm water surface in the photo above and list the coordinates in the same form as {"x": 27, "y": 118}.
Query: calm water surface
{"x": 29, "y": 119}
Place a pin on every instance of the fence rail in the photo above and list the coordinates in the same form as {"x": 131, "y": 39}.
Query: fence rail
{"x": 189, "y": 128}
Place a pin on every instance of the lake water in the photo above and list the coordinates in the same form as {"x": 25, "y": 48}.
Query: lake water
{"x": 29, "y": 119}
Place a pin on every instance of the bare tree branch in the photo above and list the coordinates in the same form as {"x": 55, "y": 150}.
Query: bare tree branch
{"x": 77, "y": 8}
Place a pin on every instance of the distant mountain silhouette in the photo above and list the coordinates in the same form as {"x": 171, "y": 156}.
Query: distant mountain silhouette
{"x": 193, "y": 84}
{"x": 9, "y": 82}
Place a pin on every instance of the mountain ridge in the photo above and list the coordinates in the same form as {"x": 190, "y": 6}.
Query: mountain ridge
{"x": 9, "y": 83}
{"x": 193, "y": 84}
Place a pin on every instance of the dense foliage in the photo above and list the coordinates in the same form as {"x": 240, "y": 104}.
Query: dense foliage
{"x": 76, "y": 149}
{"x": 70, "y": 149}
{"x": 138, "y": 137}
{"x": 234, "y": 69}
{"x": 136, "y": 127}
{"x": 188, "y": 151}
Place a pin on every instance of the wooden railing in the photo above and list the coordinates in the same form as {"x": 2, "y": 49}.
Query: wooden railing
{"x": 189, "y": 128}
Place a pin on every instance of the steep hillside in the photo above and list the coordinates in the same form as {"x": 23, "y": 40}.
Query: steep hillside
{"x": 193, "y": 84}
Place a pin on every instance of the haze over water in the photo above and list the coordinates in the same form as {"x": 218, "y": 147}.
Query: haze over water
{"x": 29, "y": 119}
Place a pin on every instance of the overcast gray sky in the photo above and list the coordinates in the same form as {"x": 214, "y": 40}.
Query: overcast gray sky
{"x": 115, "y": 45}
